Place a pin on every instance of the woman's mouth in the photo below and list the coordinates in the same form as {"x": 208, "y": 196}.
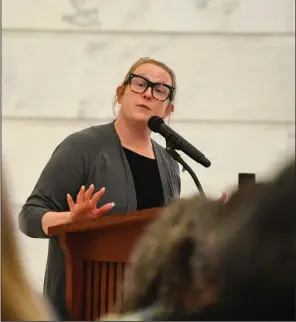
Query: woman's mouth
{"x": 143, "y": 106}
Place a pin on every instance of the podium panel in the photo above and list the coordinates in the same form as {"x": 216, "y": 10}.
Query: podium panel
{"x": 96, "y": 256}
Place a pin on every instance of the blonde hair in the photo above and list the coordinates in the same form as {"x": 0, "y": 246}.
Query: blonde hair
{"x": 18, "y": 300}
{"x": 142, "y": 61}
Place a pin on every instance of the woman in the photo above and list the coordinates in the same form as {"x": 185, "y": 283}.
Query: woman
{"x": 19, "y": 303}
{"x": 132, "y": 171}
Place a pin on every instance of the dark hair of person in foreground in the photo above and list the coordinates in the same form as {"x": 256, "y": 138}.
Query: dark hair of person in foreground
{"x": 167, "y": 268}
{"x": 253, "y": 257}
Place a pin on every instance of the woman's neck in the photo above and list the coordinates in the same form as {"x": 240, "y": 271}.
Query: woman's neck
{"x": 133, "y": 135}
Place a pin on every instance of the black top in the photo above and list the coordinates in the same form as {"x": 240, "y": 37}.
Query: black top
{"x": 146, "y": 179}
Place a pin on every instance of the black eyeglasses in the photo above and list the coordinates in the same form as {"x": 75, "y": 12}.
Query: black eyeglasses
{"x": 160, "y": 91}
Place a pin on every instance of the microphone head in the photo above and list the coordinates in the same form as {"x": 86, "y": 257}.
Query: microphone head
{"x": 154, "y": 123}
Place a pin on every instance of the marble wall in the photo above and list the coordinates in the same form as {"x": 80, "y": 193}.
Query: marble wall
{"x": 235, "y": 67}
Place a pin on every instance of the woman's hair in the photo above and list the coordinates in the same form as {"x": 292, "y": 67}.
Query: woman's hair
{"x": 139, "y": 62}
{"x": 18, "y": 300}
{"x": 167, "y": 265}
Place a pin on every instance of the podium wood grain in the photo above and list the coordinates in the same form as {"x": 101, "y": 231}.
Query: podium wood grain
{"x": 96, "y": 254}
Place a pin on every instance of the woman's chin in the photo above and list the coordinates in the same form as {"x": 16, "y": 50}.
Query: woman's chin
{"x": 141, "y": 117}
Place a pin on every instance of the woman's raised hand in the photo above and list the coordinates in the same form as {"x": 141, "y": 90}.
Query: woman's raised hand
{"x": 86, "y": 204}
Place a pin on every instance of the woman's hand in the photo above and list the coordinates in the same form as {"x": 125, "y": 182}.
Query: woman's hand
{"x": 86, "y": 204}
{"x": 223, "y": 197}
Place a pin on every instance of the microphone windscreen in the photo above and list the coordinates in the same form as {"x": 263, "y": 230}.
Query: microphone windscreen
{"x": 154, "y": 123}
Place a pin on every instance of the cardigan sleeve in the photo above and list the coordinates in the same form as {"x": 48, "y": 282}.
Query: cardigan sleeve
{"x": 64, "y": 173}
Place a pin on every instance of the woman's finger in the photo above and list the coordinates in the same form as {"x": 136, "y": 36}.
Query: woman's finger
{"x": 70, "y": 202}
{"x": 80, "y": 196}
{"x": 223, "y": 197}
{"x": 89, "y": 192}
{"x": 96, "y": 197}
{"x": 102, "y": 210}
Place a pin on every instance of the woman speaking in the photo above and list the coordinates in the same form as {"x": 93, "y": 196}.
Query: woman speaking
{"x": 110, "y": 168}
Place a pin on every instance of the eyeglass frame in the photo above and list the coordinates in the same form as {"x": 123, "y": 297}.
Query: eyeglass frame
{"x": 152, "y": 85}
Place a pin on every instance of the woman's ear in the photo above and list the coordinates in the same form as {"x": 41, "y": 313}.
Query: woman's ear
{"x": 169, "y": 109}
{"x": 119, "y": 92}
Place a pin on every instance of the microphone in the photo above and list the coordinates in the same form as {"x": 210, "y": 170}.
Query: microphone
{"x": 156, "y": 124}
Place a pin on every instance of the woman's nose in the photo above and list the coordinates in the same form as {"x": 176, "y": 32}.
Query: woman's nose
{"x": 148, "y": 93}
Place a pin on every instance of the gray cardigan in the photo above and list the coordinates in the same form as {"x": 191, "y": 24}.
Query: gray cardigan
{"x": 91, "y": 156}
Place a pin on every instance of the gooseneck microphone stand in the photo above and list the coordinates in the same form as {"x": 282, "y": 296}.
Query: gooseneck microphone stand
{"x": 175, "y": 155}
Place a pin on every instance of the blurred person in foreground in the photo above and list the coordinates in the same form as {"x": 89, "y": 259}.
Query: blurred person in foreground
{"x": 205, "y": 260}
{"x": 253, "y": 257}
{"x": 19, "y": 302}
{"x": 167, "y": 272}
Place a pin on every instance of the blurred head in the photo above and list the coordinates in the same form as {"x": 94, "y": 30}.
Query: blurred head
{"x": 255, "y": 254}
{"x": 18, "y": 300}
{"x": 148, "y": 89}
{"x": 252, "y": 257}
{"x": 167, "y": 266}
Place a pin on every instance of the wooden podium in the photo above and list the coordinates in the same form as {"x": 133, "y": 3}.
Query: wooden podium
{"x": 96, "y": 253}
